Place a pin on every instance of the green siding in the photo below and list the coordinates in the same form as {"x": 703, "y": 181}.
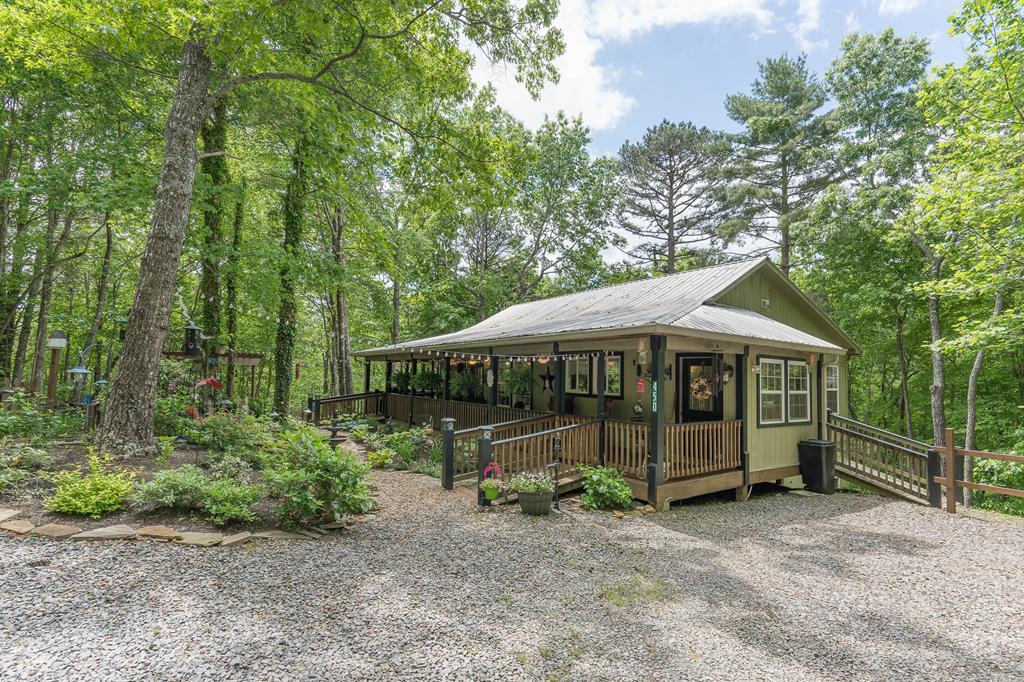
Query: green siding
{"x": 785, "y": 306}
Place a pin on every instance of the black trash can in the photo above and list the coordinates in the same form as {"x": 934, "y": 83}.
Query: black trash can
{"x": 818, "y": 465}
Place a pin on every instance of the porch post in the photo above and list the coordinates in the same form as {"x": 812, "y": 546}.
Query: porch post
{"x": 448, "y": 460}
{"x": 492, "y": 395}
{"x": 602, "y": 412}
{"x": 559, "y": 382}
{"x": 741, "y": 410}
{"x": 366, "y": 376}
{"x": 388, "y": 368}
{"x": 820, "y": 397}
{"x": 412, "y": 392}
{"x": 447, "y": 379}
{"x": 656, "y": 460}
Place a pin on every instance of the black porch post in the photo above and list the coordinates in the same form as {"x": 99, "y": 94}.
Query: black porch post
{"x": 388, "y": 369}
{"x": 366, "y": 376}
{"x": 820, "y": 401}
{"x": 656, "y": 459}
{"x": 447, "y": 379}
{"x": 602, "y": 412}
{"x": 412, "y": 392}
{"x": 559, "y": 382}
{"x": 448, "y": 460}
{"x": 741, "y": 410}
{"x": 492, "y": 394}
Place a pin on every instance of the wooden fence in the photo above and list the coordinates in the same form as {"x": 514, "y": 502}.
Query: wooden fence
{"x": 362, "y": 404}
{"x": 951, "y": 454}
{"x": 466, "y": 440}
{"x": 702, "y": 448}
{"x": 572, "y": 445}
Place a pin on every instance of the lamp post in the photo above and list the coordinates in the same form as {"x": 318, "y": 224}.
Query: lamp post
{"x": 78, "y": 374}
{"x": 57, "y": 342}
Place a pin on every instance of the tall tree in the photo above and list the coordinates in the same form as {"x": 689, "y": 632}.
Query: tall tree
{"x": 671, "y": 185}
{"x": 215, "y": 168}
{"x": 784, "y": 158}
{"x": 287, "y": 316}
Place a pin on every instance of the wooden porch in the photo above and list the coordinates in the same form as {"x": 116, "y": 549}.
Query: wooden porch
{"x": 699, "y": 458}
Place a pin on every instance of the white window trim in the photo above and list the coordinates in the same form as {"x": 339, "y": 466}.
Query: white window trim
{"x": 806, "y": 392}
{"x": 571, "y": 362}
{"x": 762, "y": 391}
{"x": 835, "y": 390}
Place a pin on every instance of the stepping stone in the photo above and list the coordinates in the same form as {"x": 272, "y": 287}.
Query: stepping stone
{"x": 20, "y": 527}
{"x": 8, "y": 514}
{"x": 56, "y": 531}
{"x": 200, "y": 539}
{"x": 159, "y": 533}
{"x": 236, "y": 539}
{"x": 336, "y": 525}
{"x": 279, "y": 535}
{"x": 309, "y": 534}
{"x": 118, "y": 532}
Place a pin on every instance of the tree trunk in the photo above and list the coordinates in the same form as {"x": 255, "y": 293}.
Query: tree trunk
{"x": 128, "y": 418}
{"x": 232, "y": 290}
{"x": 972, "y": 404}
{"x": 215, "y": 167}
{"x": 938, "y": 387}
{"x": 901, "y": 355}
{"x": 284, "y": 349}
{"x": 101, "y": 287}
{"x": 46, "y": 294}
{"x": 342, "y": 342}
{"x": 28, "y": 315}
{"x": 396, "y": 301}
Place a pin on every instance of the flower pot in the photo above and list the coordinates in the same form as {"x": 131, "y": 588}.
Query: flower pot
{"x": 491, "y": 493}
{"x": 535, "y": 504}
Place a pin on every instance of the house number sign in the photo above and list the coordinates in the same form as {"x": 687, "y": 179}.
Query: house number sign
{"x": 654, "y": 396}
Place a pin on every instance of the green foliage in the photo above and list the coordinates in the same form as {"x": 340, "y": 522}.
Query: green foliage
{"x": 407, "y": 446}
{"x": 361, "y": 432}
{"x": 221, "y": 500}
{"x": 226, "y": 431}
{"x": 1004, "y": 475}
{"x": 518, "y": 379}
{"x": 531, "y": 483}
{"x": 97, "y": 493}
{"x": 466, "y": 386}
{"x": 314, "y": 481}
{"x": 21, "y": 418}
{"x": 19, "y": 455}
{"x": 426, "y": 467}
{"x": 605, "y": 488}
{"x": 170, "y": 417}
{"x": 427, "y": 381}
{"x": 380, "y": 459}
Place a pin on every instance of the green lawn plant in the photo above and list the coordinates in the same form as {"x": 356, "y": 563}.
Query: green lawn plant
{"x": 380, "y": 459}
{"x": 221, "y": 500}
{"x": 605, "y": 488}
{"x": 316, "y": 482}
{"x": 102, "y": 491}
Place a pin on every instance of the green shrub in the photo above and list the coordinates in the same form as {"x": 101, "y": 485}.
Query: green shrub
{"x": 22, "y": 418}
{"x": 170, "y": 416}
{"x": 225, "y": 501}
{"x": 380, "y": 459}
{"x": 97, "y": 493}
{"x": 225, "y": 431}
{"x": 531, "y": 483}
{"x": 314, "y": 481}
{"x": 220, "y": 500}
{"x": 1004, "y": 475}
{"x": 361, "y": 433}
{"x": 427, "y": 467}
{"x": 11, "y": 479}
{"x": 605, "y": 488}
{"x": 17, "y": 455}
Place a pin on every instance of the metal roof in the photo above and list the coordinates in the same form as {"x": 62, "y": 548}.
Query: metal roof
{"x": 680, "y": 301}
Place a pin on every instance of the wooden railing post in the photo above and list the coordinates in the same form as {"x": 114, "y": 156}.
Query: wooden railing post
{"x": 448, "y": 459}
{"x": 950, "y": 472}
{"x": 934, "y": 469}
{"x": 483, "y": 458}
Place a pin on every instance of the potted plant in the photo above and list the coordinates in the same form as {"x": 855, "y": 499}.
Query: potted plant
{"x": 427, "y": 381}
{"x": 466, "y": 386}
{"x": 402, "y": 379}
{"x": 535, "y": 492}
{"x": 518, "y": 382}
{"x": 491, "y": 488}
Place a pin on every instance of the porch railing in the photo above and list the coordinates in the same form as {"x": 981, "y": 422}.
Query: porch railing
{"x": 359, "y": 403}
{"x": 626, "y": 446}
{"x": 880, "y": 456}
{"x": 702, "y": 448}
{"x": 573, "y": 445}
{"x": 467, "y": 440}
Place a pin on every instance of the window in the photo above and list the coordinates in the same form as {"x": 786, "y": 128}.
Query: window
{"x": 799, "y": 389}
{"x": 577, "y": 373}
{"x": 832, "y": 388}
{"x": 613, "y": 376}
{"x": 772, "y": 391}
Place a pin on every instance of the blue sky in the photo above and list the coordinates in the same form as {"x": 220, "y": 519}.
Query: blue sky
{"x": 630, "y": 63}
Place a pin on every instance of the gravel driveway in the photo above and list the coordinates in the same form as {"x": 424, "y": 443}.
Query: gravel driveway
{"x": 779, "y": 587}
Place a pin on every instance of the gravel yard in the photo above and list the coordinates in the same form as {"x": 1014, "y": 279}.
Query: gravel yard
{"x": 779, "y": 587}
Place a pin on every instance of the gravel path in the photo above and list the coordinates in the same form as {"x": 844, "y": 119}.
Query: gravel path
{"x": 778, "y": 587}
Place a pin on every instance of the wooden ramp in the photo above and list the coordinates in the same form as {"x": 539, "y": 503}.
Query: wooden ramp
{"x": 880, "y": 459}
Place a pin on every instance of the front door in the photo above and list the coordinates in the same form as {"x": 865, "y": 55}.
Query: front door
{"x": 698, "y": 392}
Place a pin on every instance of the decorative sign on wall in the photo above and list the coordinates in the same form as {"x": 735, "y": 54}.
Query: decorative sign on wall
{"x": 490, "y": 378}
{"x": 641, "y": 386}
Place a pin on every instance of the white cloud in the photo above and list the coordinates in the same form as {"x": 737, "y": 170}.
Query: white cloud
{"x": 890, "y": 8}
{"x": 591, "y": 89}
{"x": 808, "y": 13}
{"x": 852, "y": 22}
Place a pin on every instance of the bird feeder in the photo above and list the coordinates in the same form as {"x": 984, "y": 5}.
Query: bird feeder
{"x": 192, "y": 341}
